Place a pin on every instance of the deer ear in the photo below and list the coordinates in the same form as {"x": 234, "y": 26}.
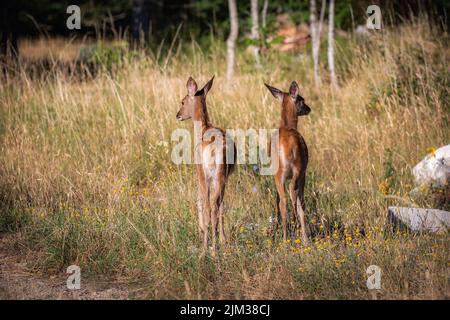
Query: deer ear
{"x": 275, "y": 92}
{"x": 294, "y": 89}
{"x": 191, "y": 87}
{"x": 208, "y": 86}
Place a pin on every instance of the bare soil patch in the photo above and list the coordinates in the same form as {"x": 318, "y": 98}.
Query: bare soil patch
{"x": 18, "y": 280}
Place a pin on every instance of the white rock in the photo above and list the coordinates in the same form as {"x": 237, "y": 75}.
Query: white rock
{"x": 419, "y": 219}
{"x": 434, "y": 169}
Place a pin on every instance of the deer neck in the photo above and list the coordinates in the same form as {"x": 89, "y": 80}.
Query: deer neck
{"x": 289, "y": 119}
{"x": 201, "y": 115}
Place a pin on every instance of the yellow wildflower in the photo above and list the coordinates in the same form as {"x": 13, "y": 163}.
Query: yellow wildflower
{"x": 432, "y": 151}
{"x": 384, "y": 187}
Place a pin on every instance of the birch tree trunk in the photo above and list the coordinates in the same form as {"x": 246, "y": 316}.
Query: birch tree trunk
{"x": 231, "y": 41}
{"x": 331, "y": 44}
{"x": 322, "y": 17}
{"x": 316, "y": 32}
{"x": 255, "y": 30}
{"x": 264, "y": 13}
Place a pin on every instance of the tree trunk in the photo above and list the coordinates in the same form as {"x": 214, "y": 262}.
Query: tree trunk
{"x": 231, "y": 41}
{"x": 331, "y": 44}
{"x": 255, "y": 30}
{"x": 316, "y": 32}
{"x": 264, "y": 13}
{"x": 322, "y": 16}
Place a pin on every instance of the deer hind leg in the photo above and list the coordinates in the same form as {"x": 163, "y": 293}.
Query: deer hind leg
{"x": 293, "y": 193}
{"x": 274, "y": 224}
{"x": 301, "y": 207}
{"x": 200, "y": 204}
{"x": 217, "y": 200}
{"x": 202, "y": 193}
{"x": 282, "y": 203}
{"x": 222, "y": 237}
{"x": 206, "y": 217}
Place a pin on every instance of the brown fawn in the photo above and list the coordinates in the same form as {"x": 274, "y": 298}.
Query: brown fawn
{"x": 292, "y": 156}
{"x": 212, "y": 167}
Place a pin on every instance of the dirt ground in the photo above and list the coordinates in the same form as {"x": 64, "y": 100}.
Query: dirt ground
{"x": 18, "y": 280}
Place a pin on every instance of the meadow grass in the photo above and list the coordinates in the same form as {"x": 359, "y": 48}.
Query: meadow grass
{"x": 86, "y": 176}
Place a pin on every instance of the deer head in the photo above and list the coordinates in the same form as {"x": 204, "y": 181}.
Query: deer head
{"x": 194, "y": 99}
{"x": 291, "y": 98}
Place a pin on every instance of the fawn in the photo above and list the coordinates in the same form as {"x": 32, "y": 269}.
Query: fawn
{"x": 212, "y": 167}
{"x": 292, "y": 156}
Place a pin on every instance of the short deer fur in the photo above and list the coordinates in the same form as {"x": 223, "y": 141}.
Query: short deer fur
{"x": 292, "y": 156}
{"x": 212, "y": 167}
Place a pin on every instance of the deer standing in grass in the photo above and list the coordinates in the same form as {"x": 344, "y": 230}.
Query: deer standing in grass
{"x": 212, "y": 166}
{"x": 292, "y": 156}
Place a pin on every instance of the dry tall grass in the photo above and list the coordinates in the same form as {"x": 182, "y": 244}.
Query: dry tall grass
{"x": 86, "y": 176}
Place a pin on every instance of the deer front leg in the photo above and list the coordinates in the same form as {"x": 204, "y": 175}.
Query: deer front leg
{"x": 282, "y": 204}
